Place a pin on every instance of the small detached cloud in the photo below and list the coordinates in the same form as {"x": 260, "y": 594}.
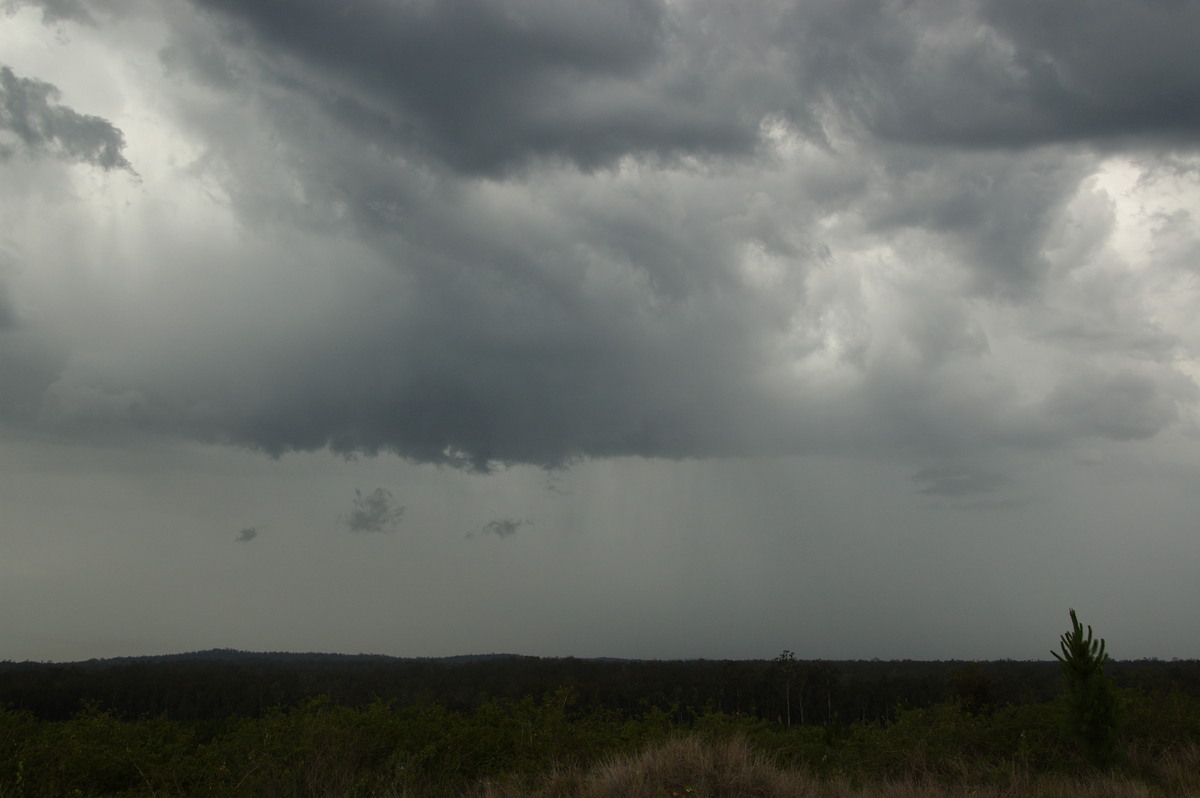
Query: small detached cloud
{"x": 952, "y": 482}
{"x": 248, "y": 534}
{"x": 41, "y": 126}
{"x": 501, "y": 527}
{"x": 376, "y": 511}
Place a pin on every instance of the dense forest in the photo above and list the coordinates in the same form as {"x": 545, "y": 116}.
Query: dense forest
{"x": 502, "y": 726}
{"x": 213, "y": 685}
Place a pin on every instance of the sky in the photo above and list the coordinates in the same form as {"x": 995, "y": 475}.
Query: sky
{"x": 628, "y": 328}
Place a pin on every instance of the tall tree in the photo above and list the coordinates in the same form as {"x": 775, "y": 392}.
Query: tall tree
{"x": 785, "y": 665}
{"x": 1091, "y": 698}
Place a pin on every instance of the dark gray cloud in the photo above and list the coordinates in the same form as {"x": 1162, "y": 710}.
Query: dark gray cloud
{"x": 639, "y": 228}
{"x": 247, "y": 534}
{"x": 999, "y": 74}
{"x": 376, "y": 511}
{"x": 41, "y": 127}
{"x": 485, "y": 85}
{"x": 548, "y": 325}
{"x": 1110, "y": 70}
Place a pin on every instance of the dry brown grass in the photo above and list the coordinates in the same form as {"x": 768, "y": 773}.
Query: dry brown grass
{"x": 685, "y": 767}
{"x": 689, "y": 767}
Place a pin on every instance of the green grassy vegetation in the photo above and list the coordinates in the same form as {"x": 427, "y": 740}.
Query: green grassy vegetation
{"x": 551, "y": 749}
{"x": 462, "y": 732}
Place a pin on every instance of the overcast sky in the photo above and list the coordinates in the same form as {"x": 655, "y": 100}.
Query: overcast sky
{"x": 637, "y": 328}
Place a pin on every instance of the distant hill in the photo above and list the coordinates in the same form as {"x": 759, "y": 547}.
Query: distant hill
{"x": 236, "y": 655}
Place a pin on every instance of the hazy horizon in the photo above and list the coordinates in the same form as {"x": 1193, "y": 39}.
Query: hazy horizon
{"x": 481, "y": 655}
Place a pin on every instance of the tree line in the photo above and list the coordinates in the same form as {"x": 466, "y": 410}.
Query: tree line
{"x": 217, "y": 685}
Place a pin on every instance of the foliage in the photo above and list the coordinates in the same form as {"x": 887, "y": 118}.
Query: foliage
{"x": 973, "y": 689}
{"x": 605, "y": 729}
{"x": 1091, "y": 698}
{"x": 551, "y": 747}
{"x": 218, "y": 685}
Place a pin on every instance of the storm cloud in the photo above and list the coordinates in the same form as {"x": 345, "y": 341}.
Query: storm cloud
{"x": 487, "y": 86}
{"x": 543, "y": 232}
